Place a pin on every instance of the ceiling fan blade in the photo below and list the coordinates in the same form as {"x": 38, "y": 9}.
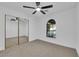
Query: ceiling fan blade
{"x": 49, "y": 6}
{"x": 42, "y": 12}
{"x": 34, "y": 12}
{"x": 37, "y": 3}
{"x": 28, "y": 7}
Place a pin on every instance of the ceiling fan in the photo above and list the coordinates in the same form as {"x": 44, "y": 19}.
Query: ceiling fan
{"x": 39, "y": 8}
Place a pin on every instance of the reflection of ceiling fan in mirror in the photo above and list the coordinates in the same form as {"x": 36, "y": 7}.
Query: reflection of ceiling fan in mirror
{"x": 14, "y": 19}
{"x": 39, "y": 8}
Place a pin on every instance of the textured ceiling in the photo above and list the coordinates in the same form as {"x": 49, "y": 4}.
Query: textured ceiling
{"x": 57, "y": 6}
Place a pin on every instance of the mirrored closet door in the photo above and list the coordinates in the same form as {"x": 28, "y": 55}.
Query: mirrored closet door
{"x": 23, "y": 31}
{"x": 11, "y": 31}
{"x": 16, "y": 31}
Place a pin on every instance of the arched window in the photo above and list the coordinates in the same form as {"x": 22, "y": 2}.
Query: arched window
{"x": 51, "y": 28}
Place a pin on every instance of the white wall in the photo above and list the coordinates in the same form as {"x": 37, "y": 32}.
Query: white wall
{"x": 65, "y": 24}
{"x": 77, "y": 45}
{"x": 1, "y": 29}
{"x": 33, "y": 28}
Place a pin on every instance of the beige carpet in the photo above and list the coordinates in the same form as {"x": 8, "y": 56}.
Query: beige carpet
{"x": 10, "y": 42}
{"x": 38, "y": 48}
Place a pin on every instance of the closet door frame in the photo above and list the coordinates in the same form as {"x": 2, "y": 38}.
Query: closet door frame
{"x": 5, "y": 28}
{"x": 18, "y": 29}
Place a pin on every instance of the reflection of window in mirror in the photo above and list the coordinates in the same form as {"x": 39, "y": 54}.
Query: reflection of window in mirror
{"x": 51, "y": 28}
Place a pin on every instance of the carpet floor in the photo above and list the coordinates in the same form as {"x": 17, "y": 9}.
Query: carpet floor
{"x": 38, "y": 48}
{"x": 10, "y": 42}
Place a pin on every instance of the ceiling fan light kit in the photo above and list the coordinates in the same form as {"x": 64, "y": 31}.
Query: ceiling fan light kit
{"x": 39, "y": 8}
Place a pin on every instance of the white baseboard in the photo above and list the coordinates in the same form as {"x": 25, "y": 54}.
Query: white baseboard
{"x": 1, "y": 49}
{"x": 77, "y": 52}
{"x": 57, "y": 43}
{"x": 31, "y": 39}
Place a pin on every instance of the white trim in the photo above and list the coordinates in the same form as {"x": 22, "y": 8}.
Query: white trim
{"x": 77, "y": 52}
{"x": 1, "y": 49}
{"x": 57, "y": 43}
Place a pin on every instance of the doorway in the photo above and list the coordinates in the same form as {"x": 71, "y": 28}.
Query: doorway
{"x": 16, "y": 31}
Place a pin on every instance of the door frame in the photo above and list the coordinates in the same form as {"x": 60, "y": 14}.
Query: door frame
{"x": 18, "y": 28}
